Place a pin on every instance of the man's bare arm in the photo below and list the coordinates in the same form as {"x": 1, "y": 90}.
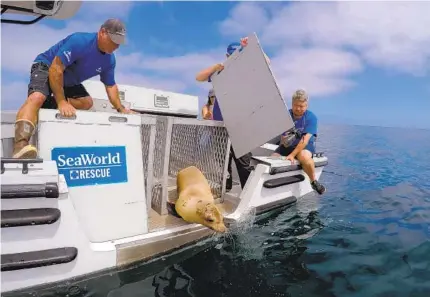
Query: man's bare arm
{"x": 56, "y": 80}
{"x": 205, "y": 73}
{"x": 113, "y": 95}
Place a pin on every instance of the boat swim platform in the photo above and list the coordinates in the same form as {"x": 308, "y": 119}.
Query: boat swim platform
{"x": 159, "y": 222}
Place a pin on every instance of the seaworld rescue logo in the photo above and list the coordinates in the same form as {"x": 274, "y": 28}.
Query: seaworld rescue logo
{"x": 85, "y": 166}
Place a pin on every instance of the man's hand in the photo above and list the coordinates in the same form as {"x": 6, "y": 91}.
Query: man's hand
{"x": 218, "y": 67}
{"x": 205, "y": 74}
{"x": 113, "y": 95}
{"x": 66, "y": 109}
{"x": 127, "y": 111}
{"x": 291, "y": 158}
{"x": 244, "y": 41}
{"x": 208, "y": 115}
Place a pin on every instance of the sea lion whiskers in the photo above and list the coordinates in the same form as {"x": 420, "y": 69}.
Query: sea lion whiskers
{"x": 211, "y": 216}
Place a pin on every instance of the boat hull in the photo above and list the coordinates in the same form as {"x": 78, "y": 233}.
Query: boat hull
{"x": 48, "y": 238}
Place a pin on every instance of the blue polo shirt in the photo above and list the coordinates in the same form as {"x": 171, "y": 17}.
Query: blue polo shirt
{"x": 306, "y": 124}
{"x": 82, "y": 58}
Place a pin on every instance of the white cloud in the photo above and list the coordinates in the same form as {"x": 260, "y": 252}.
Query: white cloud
{"x": 317, "y": 46}
{"x": 322, "y": 72}
{"x": 244, "y": 18}
{"x": 320, "y": 45}
{"x": 21, "y": 44}
{"x": 173, "y": 65}
{"x": 24, "y": 43}
{"x": 308, "y": 68}
{"x": 176, "y": 73}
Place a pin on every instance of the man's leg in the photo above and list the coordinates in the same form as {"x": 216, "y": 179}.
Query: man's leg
{"x": 281, "y": 150}
{"x": 308, "y": 165}
{"x": 244, "y": 168}
{"x": 26, "y": 118}
{"x": 229, "y": 181}
{"x": 77, "y": 96}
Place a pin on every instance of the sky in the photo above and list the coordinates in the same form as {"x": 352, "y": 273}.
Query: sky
{"x": 362, "y": 63}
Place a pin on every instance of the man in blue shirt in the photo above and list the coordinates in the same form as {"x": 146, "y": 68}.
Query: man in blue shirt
{"x": 243, "y": 164}
{"x": 302, "y": 148}
{"x": 57, "y": 75}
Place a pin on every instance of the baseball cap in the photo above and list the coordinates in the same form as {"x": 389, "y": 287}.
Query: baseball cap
{"x": 116, "y": 30}
{"x": 211, "y": 93}
{"x": 232, "y": 47}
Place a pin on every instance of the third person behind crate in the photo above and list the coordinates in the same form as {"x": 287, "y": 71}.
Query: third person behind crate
{"x": 207, "y": 110}
{"x": 211, "y": 111}
{"x": 302, "y": 146}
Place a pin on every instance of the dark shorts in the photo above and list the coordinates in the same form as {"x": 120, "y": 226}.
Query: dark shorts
{"x": 285, "y": 151}
{"x": 39, "y": 82}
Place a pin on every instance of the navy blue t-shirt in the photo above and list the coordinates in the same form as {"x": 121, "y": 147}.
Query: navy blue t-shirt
{"x": 82, "y": 58}
{"x": 217, "y": 116}
{"x": 216, "y": 112}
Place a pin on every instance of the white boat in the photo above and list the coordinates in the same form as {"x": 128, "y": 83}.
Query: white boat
{"x": 95, "y": 200}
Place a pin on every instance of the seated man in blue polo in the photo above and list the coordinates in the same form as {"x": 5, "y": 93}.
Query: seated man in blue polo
{"x": 303, "y": 147}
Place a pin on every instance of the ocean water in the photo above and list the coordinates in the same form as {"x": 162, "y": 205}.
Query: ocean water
{"x": 367, "y": 236}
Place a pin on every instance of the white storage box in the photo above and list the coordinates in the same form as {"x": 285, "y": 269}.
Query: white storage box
{"x": 100, "y": 155}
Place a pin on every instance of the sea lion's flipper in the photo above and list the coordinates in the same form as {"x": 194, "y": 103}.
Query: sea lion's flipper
{"x": 171, "y": 209}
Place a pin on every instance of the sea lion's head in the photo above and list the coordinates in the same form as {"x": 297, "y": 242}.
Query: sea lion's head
{"x": 211, "y": 217}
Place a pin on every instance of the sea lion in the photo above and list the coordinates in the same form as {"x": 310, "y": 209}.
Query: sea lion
{"x": 195, "y": 202}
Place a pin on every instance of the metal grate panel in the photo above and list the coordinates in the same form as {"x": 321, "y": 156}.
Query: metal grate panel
{"x": 180, "y": 143}
{"x": 159, "y": 152}
{"x": 202, "y": 146}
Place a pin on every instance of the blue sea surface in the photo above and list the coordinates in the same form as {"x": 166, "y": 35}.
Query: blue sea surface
{"x": 367, "y": 236}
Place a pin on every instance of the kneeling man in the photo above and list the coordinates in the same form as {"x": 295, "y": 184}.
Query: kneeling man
{"x": 303, "y": 147}
{"x": 57, "y": 75}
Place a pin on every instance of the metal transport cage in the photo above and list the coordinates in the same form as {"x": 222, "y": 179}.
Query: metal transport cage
{"x": 169, "y": 145}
